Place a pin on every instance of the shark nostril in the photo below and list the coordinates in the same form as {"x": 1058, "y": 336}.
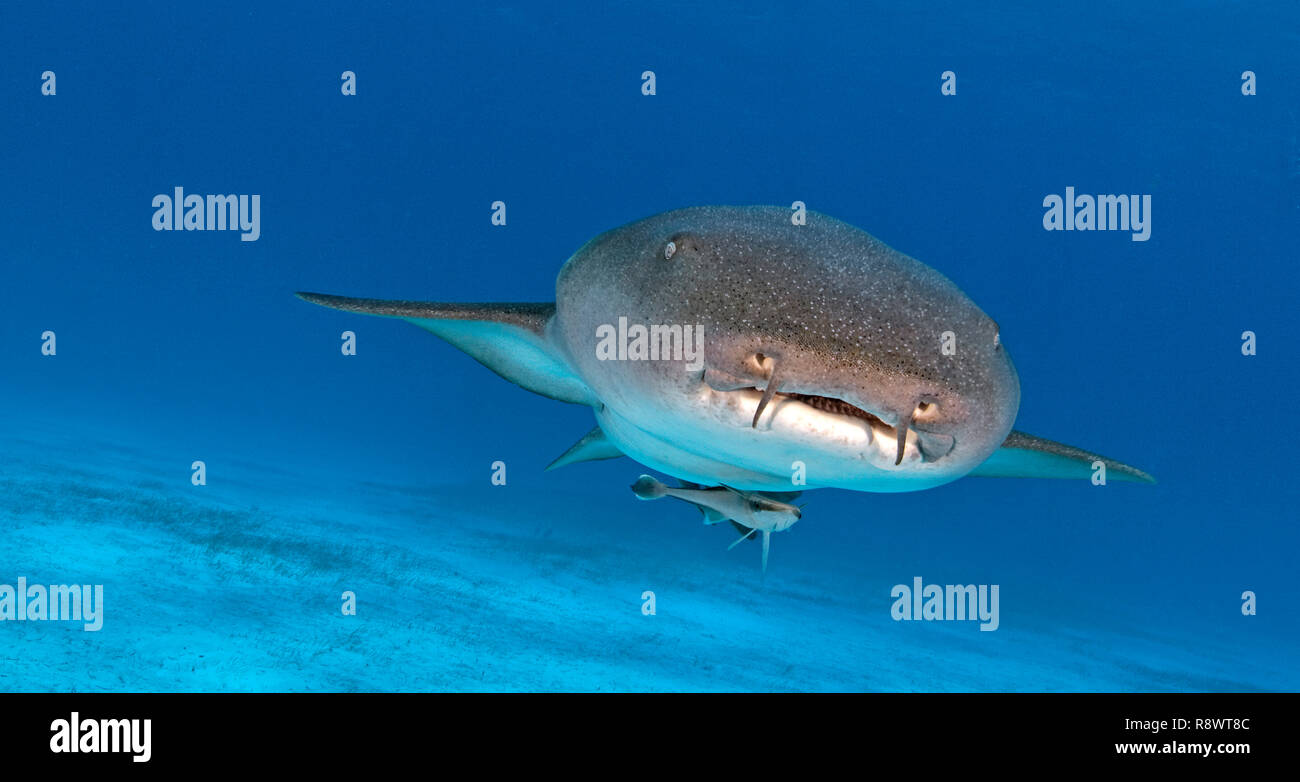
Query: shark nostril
{"x": 925, "y": 410}
{"x": 761, "y": 364}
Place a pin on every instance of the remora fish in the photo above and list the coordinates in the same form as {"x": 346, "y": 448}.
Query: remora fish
{"x": 822, "y": 347}
{"x": 754, "y": 511}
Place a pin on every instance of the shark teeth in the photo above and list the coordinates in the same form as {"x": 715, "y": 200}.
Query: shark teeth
{"x": 829, "y": 404}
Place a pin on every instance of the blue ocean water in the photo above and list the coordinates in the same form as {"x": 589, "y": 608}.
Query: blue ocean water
{"x": 371, "y": 473}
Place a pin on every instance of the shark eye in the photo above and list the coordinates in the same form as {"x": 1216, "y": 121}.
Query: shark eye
{"x": 925, "y": 409}
{"x": 669, "y": 249}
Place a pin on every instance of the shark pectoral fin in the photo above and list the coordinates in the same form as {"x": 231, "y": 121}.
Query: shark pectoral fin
{"x": 593, "y": 446}
{"x": 1025, "y": 456}
{"x": 511, "y": 339}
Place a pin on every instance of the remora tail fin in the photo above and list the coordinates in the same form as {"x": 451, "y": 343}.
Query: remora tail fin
{"x": 647, "y": 488}
{"x": 1026, "y": 456}
{"x": 511, "y": 339}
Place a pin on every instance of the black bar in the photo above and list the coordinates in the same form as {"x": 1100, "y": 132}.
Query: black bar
{"x": 359, "y": 731}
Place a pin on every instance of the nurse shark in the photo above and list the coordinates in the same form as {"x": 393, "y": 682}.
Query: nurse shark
{"x": 826, "y": 359}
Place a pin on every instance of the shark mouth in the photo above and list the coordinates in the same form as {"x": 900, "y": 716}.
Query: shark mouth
{"x": 829, "y": 404}
{"x": 931, "y": 445}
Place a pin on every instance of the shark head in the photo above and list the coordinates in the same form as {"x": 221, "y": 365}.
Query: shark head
{"x": 759, "y": 353}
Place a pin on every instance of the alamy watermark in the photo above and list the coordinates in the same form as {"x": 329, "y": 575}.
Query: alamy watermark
{"x": 78, "y": 734}
{"x": 180, "y": 212}
{"x": 1098, "y": 213}
{"x": 638, "y": 342}
{"x": 950, "y": 602}
{"x": 56, "y": 602}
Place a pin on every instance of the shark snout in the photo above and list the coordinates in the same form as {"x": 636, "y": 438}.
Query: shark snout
{"x": 944, "y": 414}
